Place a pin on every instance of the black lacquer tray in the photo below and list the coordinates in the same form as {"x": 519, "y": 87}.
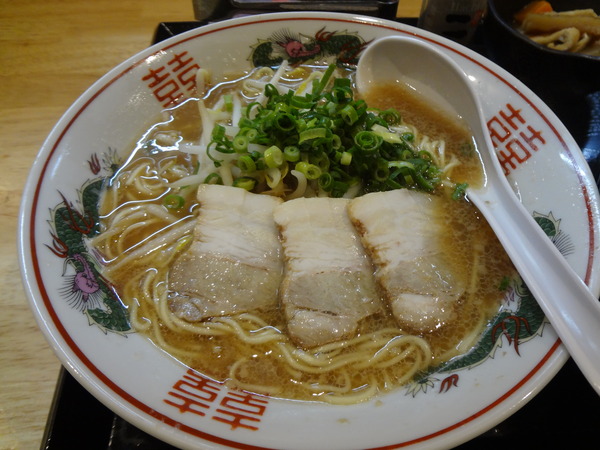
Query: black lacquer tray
{"x": 565, "y": 414}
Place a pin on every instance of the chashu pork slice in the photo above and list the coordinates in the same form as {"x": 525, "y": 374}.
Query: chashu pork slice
{"x": 328, "y": 284}
{"x": 401, "y": 231}
{"x": 234, "y": 263}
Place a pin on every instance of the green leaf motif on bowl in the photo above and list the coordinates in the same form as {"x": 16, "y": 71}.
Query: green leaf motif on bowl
{"x": 73, "y": 224}
{"x": 341, "y": 47}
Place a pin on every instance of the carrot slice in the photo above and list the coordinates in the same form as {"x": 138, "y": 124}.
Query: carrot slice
{"x": 536, "y": 7}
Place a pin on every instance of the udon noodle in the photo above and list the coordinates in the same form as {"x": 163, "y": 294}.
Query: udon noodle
{"x": 251, "y": 351}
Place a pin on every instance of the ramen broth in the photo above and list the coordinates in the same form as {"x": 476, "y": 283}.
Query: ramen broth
{"x": 264, "y": 367}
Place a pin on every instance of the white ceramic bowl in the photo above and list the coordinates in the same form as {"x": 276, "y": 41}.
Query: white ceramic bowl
{"x": 159, "y": 395}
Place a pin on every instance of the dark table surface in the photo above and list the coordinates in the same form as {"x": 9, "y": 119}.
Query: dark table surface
{"x": 566, "y": 414}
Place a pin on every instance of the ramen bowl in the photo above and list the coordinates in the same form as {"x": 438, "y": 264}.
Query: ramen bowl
{"x": 91, "y": 331}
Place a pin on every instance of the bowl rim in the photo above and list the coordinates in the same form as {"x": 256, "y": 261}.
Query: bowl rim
{"x": 557, "y": 353}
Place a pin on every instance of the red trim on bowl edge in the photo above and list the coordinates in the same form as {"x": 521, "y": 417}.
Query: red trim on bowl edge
{"x": 209, "y": 437}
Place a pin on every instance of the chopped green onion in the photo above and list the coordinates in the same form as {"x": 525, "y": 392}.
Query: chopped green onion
{"x": 326, "y": 135}
{"x": 217, "y": 162}
{"x": 245, "y": 183}
{"x": 228, "y": 99}
{"x": 285, "y": 122}
{"x": 291, "y": 153}
{"x": 310, "y": 171}
{"x": 173, "y": 201}
{"x": 240, "y": 143}
{"x": 321, "y": 161}
{"x": 320, "y": 86}
{"x": 343, "y": 83}
{"x": 213, "y": 178}
{"x": 336, "y": 141}
{"x": 250, "y": 133}
{"x": 301, "y": 102}
{"x": 459, "y": 191}
{"x": 326, "y": 181}
{"x": 270, "y": 91}
{"x": 218, "y": 132}
{"x": 382, "y": 171}
{"x": 312, "y": 133}
{"x": 424, "y": 154}
{"x": 349, "y": 114}
{"x": 423, "y": 182}
{"x": 401, "y": 165}
{"x": 391, "y": 116}
{"x": 246, "y": 163}
{"x": 339, "y": 189}
{"x": 368, "y": 141}
{"x": 346, "y": 158}
{"x": 273, "y": 157}
{"x": 392, "y": 184}
{"x": 386, "y": 135}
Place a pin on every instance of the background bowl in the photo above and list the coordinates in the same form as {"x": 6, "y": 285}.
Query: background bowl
{"x": 504, "y": 10}
{"x": 560, "y": 76}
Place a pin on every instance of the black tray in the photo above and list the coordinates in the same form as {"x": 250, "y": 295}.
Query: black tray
{"x": 565, "y": 414}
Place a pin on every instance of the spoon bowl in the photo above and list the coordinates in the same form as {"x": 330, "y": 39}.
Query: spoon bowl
{"x": 572, "y": 309}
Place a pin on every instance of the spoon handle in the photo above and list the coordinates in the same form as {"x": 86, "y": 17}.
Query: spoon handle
{"x": 565, "y": 299}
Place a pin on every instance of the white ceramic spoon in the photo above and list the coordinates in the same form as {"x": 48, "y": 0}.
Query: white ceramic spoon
{"x": 567, "y": 302}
